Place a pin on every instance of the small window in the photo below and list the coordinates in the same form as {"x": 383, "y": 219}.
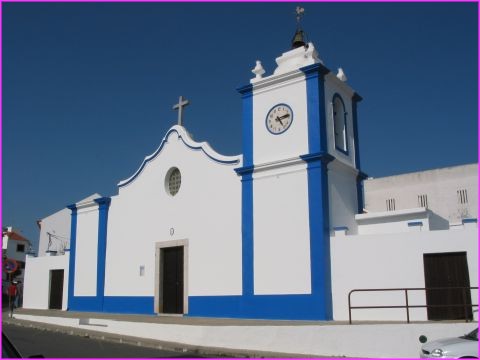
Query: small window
{"x": 20, "y": 248}
{"x": 173, "y": 181}
{"x": 339, "y": 123}
{"x": 423, "y": 201}
{"x": 462, "y": 196}
{"x": 390, "y": 204}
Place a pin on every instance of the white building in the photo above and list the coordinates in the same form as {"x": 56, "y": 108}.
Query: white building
{"x": 275, "y": 233}
{"x": 14, "y": 246}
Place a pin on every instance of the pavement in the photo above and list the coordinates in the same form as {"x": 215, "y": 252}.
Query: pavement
{"x": 207, "y": 351}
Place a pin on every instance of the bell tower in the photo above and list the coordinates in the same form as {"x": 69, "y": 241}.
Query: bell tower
{"x": 300, "y": 179}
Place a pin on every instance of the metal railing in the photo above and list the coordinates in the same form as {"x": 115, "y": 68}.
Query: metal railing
{"x": 465, "y": 305}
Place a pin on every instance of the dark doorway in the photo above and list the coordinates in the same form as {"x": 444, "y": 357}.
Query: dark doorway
{"x": 172, "y": 279}
{"x": 447, "y": 270}
{"x": 56, "y": 289}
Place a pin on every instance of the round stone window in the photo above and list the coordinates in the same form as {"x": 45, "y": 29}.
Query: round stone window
{"x": 173, "y": 181}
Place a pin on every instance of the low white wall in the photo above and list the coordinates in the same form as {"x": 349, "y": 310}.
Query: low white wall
{"x": 375, "y": 340}
{"x": 36, "y": 291}
{"x": 392, "y": 261}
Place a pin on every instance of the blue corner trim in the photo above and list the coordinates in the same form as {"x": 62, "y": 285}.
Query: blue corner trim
{"x": 340, "y": 228}
{"x": 71, "y": 263}
{"x": 247, "y": 124}
{"x": 316, "y": 117}
{"x": 160, "y": 148}
{"x": 343, "y": 151}
{"x": 415, "y": 223}
{"x": 469, "y": 220}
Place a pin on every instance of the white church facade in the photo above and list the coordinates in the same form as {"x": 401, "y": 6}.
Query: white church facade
{"x": 278, "y": 232}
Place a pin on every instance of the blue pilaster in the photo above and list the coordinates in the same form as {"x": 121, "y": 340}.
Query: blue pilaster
{"x": 103, "y": 206}
{"x": 71, "y": 264}
{"x": 89, "y": 303}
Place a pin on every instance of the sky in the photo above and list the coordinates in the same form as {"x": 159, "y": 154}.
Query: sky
{"x": 88, "y": 88}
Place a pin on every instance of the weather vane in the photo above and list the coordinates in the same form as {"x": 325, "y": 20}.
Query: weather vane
{"x": 299, "y": 13}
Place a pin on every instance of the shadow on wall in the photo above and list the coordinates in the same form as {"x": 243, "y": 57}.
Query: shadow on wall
{"x": 437, "y": 222}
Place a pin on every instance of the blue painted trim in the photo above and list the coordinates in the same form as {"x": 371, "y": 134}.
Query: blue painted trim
{"x": 469, "y": 221}
{"x": 71, "y": 263}
{"x": 103, "y": 206}
{"x": 247, "y": 124}
{"x": 247, "y": 229}
{"x": 155, "y": 154}
{"x": 272, "y": 307}
{"x": 266, "y": 119}
{"x": 343, "y": 151}
{"x": 316, "y": 116}
{"x": 91, "y": 303}
{"x": 355, "y": 100}
{"x": 129, "y": 305}
{"x": 340, "y": 228}
{"x": 319, "y": 222}
{"x": 415, "y": 223}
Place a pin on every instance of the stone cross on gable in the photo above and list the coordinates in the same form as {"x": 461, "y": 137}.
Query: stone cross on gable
{"x": 181, "y": 104}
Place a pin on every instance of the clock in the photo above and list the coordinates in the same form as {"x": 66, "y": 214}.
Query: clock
{"x": 279, "y": 119}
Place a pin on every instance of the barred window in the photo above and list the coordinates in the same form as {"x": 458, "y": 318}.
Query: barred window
{"x": 174, "y": 180}
{"x": 462, "y": 196}
{"x": 390, "y": 204}
{"x": 423, "y": 201}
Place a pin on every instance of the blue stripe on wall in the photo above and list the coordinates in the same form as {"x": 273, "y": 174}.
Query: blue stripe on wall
{"x": 90, "y": 303}
{"x": 317, "y": 130}
{"x": 319, "y": 222}
{"x": 71, "y": 264}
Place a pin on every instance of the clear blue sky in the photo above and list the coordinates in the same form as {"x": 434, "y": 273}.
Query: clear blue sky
{"x": 88, "y": 88}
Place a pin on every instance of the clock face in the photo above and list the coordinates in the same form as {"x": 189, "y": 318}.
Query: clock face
{"x": 279, "y": 119}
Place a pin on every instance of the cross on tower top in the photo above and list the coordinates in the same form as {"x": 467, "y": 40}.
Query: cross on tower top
{"x": 181, "y": 104}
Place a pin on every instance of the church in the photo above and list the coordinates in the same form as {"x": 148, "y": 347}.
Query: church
{"x": 281, "y": 231}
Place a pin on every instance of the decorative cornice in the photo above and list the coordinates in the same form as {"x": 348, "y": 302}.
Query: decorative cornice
{"x": 322, "y": 156}
{"x": 191, "y": 144}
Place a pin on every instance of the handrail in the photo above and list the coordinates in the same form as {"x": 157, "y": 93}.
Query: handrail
{"x": 407, "y": 306}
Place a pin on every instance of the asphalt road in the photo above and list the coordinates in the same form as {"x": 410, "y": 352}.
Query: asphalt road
{"x": 50, "y": 344}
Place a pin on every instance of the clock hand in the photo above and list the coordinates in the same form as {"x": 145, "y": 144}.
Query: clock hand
{"x": 280, "y": 121}
{"x": 284, "y": 116}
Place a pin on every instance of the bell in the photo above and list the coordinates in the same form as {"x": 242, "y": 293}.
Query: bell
{"x": 297, "y": 40}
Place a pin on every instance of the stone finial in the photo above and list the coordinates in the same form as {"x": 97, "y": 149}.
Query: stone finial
{"x": 258, "y": 70}
{"x": 341, "y": 75}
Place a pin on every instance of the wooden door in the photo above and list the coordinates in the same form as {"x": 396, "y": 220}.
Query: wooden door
{"x": 447, "y": 270}
{"x": 56, "y": 289}
{"x": 172, "y": 284}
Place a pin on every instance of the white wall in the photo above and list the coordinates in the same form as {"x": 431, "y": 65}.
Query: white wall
{"x": 391, "y": 222}
{"x": 206, "y": 212}
{"x": 392, "y": 261}
{"x": 281, "y": 231}
{"x": 289, "y": 90}
{"x": 342, "y": 190}
{"x": 332, "y": 86}
{"x": 440, "y": 186}
{"x": 59, "y": 225}
{"x": 86, "y": 250}
{"x": 36, "y": 289}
